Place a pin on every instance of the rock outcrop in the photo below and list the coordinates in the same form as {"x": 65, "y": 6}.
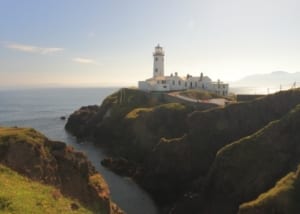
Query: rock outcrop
{"x": 18, "y": 194}
{"x": 33, "y": 155}
{"x": 246, "y": 168}
{"x": 282, "y": 198}
{"x": 174, "y": 146}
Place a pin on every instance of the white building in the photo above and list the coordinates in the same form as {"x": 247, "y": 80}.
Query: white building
{"x": 160, "y": 82}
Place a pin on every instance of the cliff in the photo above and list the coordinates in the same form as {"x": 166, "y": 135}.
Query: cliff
{"x": 132, "y": 119}
{"x": 53, "y": 163}
{"x": 131, "y": 123}
{"x": 171, "y": 149}
{"x": 252, "y": 165}
{"x": 183, "y": 161}
{"x": 18, "y": 194}
{"x": 282, "y": 198}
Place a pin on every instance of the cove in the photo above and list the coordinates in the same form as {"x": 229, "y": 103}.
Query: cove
{"x": 124, "y": 192}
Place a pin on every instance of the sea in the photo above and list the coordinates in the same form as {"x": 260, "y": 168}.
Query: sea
{"x": 41, "y": 109}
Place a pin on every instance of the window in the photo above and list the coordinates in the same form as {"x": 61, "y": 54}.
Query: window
{"x": 173, "y": 82}
{"x": 156, "y": 58}
{"x": 156, "y": 69}
{"x": 163, "y": 81}
{"x": 157, "y": 81}
{"x": 179, "y": 82}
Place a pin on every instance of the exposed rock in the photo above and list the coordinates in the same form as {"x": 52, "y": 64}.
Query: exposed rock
{"x": 282, "y": 198}
{"x": 175, "y": 145}
{"x": 33, "y": 155}
{"x": 121, "y": 166}
{"x": 246, "y": 168}
{"x": 63, "y": 118}
{"x": 176, "y": 163}
{"x": 79, "y": 121}
{"x": 131, "y": 122}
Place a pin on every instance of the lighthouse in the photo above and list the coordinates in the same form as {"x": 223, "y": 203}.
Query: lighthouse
{"x": 158, "y": 62}
{"x": 160, "y": 82}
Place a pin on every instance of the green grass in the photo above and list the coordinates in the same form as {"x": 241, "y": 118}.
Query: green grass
{"x": 14, "y": 135}
{"x": 172, "y": 106}
{"x": 199, "y": 94}
{"x": 21, "y": 195}
{"x": 282, "y": 198}
{"x": 135, "y": 113}
{"x": 9, "y": 136}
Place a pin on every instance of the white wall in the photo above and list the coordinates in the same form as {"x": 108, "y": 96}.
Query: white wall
{"x": 158, "y": 65}
{"x": 176, "y": 83}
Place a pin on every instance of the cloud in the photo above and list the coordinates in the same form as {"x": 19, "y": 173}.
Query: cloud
{"x": 32, "y": 49}
{"x": 84, "y": 60}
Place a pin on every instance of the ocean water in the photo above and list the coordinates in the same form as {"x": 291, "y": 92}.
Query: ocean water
{"x": 42, "y": 109}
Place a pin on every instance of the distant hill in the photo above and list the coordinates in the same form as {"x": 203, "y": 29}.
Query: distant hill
{"x": 273, "y": 81}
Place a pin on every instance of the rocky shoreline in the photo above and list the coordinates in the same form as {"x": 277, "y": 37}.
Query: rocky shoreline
{"x": 173, "y": 149}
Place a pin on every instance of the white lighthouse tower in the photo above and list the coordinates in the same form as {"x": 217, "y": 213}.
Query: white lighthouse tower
{"x": 158, "y": 64}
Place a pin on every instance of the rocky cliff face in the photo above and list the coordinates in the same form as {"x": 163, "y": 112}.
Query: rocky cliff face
{"x": 131, "y": 123}
{"x": 33, "y": 155}
{"x": 282, "y": 198}
{"x": 245, "y": 168}
{"x": 188, "y": 158}
{"x": 175, "y": 147}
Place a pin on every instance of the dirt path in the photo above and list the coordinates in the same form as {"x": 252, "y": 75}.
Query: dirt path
{"x": 217, "y": 101}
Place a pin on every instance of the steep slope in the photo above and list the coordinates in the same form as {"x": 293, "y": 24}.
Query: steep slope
{"x": 33, "y": 155}
{"x": 246, "y": 168}
{"x": 88, "y": 120}
{"x": 130, "y": 123}
{"x": 183, "y": 163}
{"x": 132, "y": 119}
{"x": 208, "y": 131}
{"x": 97, "y": 121}
{"x": 282, "y": 198}
{"x": 21, "y": 195}
{"x": 172, "y": 148}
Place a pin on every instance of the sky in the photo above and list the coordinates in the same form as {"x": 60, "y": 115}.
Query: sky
{"x": 110, "y": 42}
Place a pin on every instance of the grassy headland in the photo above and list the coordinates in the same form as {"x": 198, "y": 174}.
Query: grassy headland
{"x": 69, "y": 174}
{"x": 171, "y": 149}
{"x": 22, "y": 195}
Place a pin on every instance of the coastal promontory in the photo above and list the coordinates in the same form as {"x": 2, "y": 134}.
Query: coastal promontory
{"x": 39, "y": 175}
{"x": 197, "y": 158}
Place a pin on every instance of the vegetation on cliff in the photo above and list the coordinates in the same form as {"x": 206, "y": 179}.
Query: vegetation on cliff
{"x": 131, "y": 123}
{"x": 31, "y": 154}
{"x": 246, "y": 168}
{"x": 21, "y": 195}
{"x": 179, "y": 150}
{"x": 131, "y": 119}
{"x": 199, "y": 94}
{"x": 282, "y": 198}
